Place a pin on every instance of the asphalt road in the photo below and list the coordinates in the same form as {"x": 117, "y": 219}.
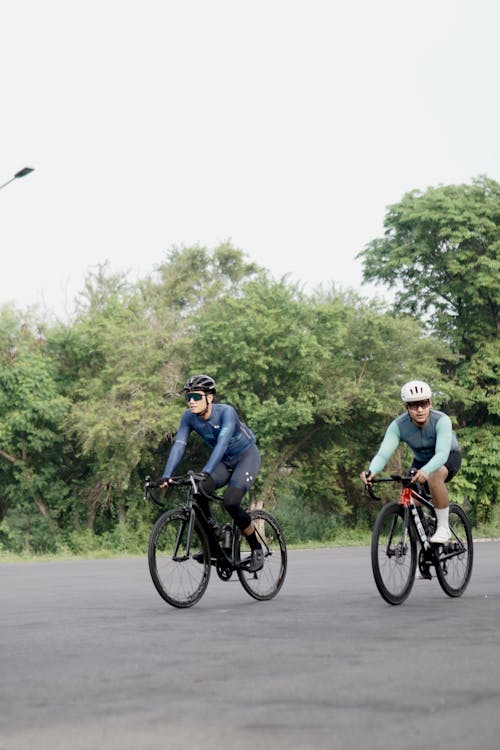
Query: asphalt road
{"x": 92, "y": 657}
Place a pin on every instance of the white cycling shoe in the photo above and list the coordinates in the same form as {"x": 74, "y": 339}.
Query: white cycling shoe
{"x": 441, "y": 535}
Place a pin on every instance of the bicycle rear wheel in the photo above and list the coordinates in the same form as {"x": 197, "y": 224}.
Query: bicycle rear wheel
{"x": 393, "y": 554}
{"x": 179, "y": 578}
{"x": 454, "y": 559}
{"x": 265, "y": 583}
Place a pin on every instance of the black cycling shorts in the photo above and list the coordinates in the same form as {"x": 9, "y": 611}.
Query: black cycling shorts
{"x": 240, "y": 471}
{"x": 453, "y": 464}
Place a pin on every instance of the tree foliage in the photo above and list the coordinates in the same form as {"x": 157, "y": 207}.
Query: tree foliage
{"x": 441, "y": 252}
{"x": 33, "y": 489}
{"x": 89, "y": 407}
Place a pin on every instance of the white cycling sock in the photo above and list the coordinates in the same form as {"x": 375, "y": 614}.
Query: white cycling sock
{"x": 442, "y": 515}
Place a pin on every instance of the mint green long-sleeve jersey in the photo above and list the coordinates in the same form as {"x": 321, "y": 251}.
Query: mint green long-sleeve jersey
{"x": 431, "y": 444}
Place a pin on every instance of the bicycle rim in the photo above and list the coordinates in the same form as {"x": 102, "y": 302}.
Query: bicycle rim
{"x": 178, "y": 578}
{"x": 393, "y": 554}
{"x": 265, "y": 583}
{"x": 454, "y": 571}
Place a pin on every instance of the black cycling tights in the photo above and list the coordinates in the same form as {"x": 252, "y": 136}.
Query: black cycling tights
{"x": 231, "y": 497}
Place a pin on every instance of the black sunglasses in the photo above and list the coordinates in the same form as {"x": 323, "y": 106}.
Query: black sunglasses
{"x": 416, "y": 404}
{"x": 194, "y": 396}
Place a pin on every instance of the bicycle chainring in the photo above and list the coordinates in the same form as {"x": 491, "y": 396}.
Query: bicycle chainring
{"x": 423, "y": 563}
{"x": 223, "y": 570}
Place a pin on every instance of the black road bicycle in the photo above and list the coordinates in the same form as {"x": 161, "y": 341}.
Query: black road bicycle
{"x": 184, "y": 545}
{"x": 400, "y": 541}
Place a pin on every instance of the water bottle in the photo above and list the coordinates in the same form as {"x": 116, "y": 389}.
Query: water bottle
{"x": 227, "y": 537}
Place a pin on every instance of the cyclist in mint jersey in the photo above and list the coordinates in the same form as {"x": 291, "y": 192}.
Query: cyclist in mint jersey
{"x": 234, "y": 461}
{"x": 435, "y": 448}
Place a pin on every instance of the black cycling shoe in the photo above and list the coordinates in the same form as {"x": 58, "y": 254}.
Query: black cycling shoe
{"x": 424, "y": 574}
{"x": 256, "y": 561}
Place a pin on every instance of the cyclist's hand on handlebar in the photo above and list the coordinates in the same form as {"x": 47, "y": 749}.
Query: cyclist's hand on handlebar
{"x": 164, "y": 482}
{"x": 199, "y": 476}
{"x": 367, "y": 477}
{"x": 420, "y": 477}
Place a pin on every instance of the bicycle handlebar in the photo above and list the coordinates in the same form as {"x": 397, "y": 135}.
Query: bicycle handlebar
{"x": 191, "y": 478}
{"x": 404, "y": 479}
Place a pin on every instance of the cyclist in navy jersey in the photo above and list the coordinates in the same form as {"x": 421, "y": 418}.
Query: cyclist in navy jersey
{"x": 234, "y": 460}
{"x": 436, "y": 452}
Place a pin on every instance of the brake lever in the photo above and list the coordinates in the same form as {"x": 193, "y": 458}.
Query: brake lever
{"x": 149, "y": 486}
{"x": 368, "y": 490}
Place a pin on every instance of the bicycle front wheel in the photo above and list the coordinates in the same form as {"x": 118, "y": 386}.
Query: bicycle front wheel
{"x": 454, "y": 559}
{"x": 393, "y": 554}
{"x": 265, "y": 583}
{"x": 179, "y": 558}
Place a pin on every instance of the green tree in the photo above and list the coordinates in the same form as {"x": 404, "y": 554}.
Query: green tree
{"x": 259, "y": 348}
{"x": 364, "y": 357}
{"x": 190, "y": 276}
{"x": 131, "y": 347}
{"x": 120, "y": 365}
{"x": 315, "y": 378}
{"x": 441, "y": 253}
{"x": 87, "y": 408}
{"x": 32, "y": 444}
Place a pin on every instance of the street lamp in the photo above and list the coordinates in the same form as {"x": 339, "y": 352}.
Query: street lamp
{"x": 22, "y": 173}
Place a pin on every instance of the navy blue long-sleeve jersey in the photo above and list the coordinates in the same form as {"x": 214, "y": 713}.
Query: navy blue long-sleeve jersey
{"x": 224, "y": 431}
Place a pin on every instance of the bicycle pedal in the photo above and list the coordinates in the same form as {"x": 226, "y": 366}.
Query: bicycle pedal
{"x": 245, "y": 565}
{"x": 424, "y": 575}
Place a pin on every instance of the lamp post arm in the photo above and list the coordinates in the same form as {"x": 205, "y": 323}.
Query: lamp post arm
{"x": 6, "y": 183}
{"x": 22, "y": 173}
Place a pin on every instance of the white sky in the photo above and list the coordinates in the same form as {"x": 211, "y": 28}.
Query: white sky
{"x": 287, "y": 126}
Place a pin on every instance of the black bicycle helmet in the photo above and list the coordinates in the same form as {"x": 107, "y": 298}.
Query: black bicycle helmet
{"x": 200, "y": 383}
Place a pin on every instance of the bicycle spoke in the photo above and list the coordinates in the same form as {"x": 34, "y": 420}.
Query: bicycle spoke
{"x": 179, "y": 578}
{"x": 265, "y": 583}
{"x": 454, "y": 564}
{"x": 393, "y": 554}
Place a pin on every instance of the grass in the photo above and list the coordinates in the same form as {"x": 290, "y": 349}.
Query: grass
{"x": 344, "y": 537}
{"x": 483, "y": 533}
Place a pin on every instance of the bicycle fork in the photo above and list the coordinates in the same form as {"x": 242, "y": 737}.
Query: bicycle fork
{"x": 184, "y": 547}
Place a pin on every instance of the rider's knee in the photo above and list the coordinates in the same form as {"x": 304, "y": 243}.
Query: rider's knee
{"x": 232, "y": 496}
{"x": 438, "y": 477}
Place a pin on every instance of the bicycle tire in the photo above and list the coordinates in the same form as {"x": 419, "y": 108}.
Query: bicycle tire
{"x": 454, "y": 573}
{"x": 393, "y": 554}
{"x": 265, "y": 583}
{"x": 181, "y": 580}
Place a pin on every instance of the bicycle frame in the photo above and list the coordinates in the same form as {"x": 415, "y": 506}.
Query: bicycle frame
{"x": 186, "y": 541}
{"x": 407, "y": 497}
{"x": 398, "y": 528}
{"x": 196, "y": 513}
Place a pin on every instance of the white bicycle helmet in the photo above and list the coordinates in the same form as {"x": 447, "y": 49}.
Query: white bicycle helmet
{"x": 415, "y": 390}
